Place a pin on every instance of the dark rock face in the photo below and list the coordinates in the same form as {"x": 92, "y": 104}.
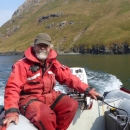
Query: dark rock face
{"x": 58, "y": 14}
{"x": 122, "y": 48}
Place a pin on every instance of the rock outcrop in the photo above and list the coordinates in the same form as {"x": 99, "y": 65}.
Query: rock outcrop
{"x": 25, "y": 7}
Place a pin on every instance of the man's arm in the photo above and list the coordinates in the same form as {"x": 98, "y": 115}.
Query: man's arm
{"x": 12, "y": 93}
{"x": 64, "y": 76}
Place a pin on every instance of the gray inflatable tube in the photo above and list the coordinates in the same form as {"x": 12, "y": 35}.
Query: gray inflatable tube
{"x": 23, "y": 124}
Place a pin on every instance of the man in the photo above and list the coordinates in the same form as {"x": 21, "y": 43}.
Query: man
{"x": 30, "y": 89}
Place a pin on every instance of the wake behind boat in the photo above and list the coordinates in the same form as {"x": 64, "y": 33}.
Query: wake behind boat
{"x": 91, "y": 115}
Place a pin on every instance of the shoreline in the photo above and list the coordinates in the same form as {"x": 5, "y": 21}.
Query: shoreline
{"x": 59, "y": 53}
{"x": 10, "y": 53}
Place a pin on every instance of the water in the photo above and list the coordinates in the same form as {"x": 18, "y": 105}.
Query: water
{"x": 6, "y": 63}
{"x": 105, "y": 72}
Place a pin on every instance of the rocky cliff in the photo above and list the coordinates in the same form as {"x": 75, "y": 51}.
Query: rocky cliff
{"x": 26, "y": 6}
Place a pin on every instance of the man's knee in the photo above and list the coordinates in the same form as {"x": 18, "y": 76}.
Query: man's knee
{"x": 37, "y": 109}
{"x": 66, "y": 103}
{"x": 71, "y": 103}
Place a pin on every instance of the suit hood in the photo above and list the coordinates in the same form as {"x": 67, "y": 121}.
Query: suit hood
{"x": 29, "y": 54}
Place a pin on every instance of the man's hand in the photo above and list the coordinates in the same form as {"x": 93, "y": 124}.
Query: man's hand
{"x": 11, "y": 117}
{"x": 94, "y": 94}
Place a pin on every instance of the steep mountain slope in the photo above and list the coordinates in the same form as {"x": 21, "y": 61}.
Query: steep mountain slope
{"x": 68, "y": 22}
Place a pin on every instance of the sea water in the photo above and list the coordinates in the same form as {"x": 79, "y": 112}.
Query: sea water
{"x": 104, "y": 73}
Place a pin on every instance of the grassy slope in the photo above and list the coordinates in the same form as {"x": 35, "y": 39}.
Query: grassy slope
{"x": 96, "y": 22}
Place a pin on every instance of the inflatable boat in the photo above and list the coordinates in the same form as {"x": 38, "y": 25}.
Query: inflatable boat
{"x": 110, "y": 112}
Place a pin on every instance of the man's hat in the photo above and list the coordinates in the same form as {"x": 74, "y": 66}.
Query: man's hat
{"x": 43, "y": 38}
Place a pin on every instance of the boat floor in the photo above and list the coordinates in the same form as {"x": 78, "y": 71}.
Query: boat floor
{"x": 92, "y": 119}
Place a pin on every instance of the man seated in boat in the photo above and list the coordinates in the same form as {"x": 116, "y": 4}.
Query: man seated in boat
{"x": 30, "y": 89}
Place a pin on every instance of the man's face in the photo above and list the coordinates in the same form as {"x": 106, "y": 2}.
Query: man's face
{"x": 41, "y": 51}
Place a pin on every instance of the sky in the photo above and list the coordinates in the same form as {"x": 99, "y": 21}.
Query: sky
{"x": 7, "y": 8}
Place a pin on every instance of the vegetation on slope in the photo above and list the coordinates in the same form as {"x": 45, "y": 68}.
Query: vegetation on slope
{"x": 94, "y": 22}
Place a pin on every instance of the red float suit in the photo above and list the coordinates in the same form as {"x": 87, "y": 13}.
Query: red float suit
{"x": 30, "y": 89}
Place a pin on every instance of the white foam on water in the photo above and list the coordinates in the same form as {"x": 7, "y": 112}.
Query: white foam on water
{"x": 103, "y": 82}
{"x": 1, "y": 94}
{"x": 1, "y": 100}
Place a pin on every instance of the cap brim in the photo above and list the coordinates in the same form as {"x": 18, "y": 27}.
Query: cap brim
{"x": 43, "y": 41}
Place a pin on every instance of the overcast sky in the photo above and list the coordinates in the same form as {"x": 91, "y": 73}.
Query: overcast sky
{"x": 7, "y": 8}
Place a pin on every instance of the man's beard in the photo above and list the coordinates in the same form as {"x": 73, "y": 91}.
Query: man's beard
{"x": 42, "y": 54}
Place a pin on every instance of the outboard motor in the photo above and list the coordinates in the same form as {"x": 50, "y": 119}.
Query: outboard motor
{"x": 85, "y": 101}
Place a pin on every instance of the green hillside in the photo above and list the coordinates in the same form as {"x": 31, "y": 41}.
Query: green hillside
{"x": 87, "y": 22}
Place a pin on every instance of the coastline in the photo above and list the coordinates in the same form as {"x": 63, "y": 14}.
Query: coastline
{"x": 11, "y": 53}
{"x": 69, "y": 53}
